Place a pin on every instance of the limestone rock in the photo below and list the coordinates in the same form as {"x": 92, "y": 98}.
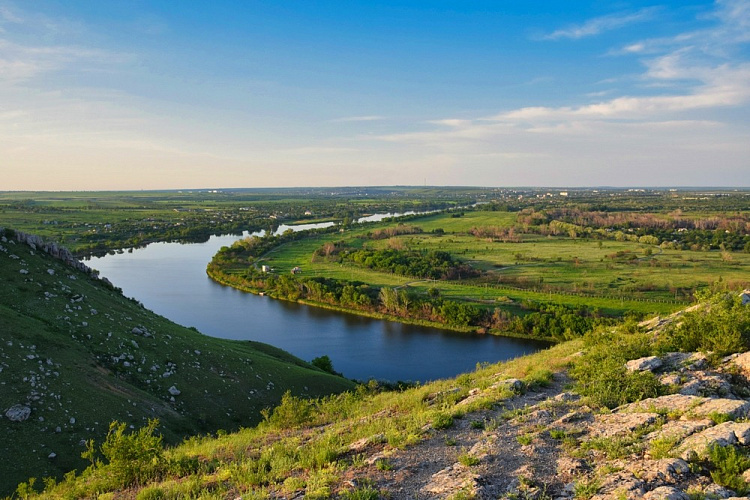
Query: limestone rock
{"x": 680, "y": 429}
{"x": 570, "y": 467}
{"x": 743, "y": 362}
{"x": 451, "y": 480}
{"x": 670, "y": 403}
{"x": 620, "y": 424}
{"x": 741, "y": 431}
{"x": 567, "y": 397}
{"x": 583, "y": 413}
{"x": 666, "y": 470}
{"x": 649, "y": 363}
{"x": 707, "y": 385}
{"x": 670, "y": 379}
{"x": 698, "y": 444}
{"x": 18, "y": 413}
{"x": 732, "y": 407}
{"x": 361, "y": 444}
{"x": 666, "y": 493}
{"x": 620, "y": 484}
{"x": 513, "y": 384}
{"x": 174, "y": 391}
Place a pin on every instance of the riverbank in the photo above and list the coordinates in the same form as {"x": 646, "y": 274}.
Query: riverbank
{"x": 221, "y": 278}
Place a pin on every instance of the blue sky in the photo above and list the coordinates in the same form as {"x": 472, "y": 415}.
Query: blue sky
{"x": 165, "y": 94}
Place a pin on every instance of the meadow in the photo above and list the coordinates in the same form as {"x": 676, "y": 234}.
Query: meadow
{"x": 517, "y": 266}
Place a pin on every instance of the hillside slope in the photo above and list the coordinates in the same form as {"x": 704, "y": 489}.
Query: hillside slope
{"x": 632, "y": 413}
{"x": 75, "y": 355}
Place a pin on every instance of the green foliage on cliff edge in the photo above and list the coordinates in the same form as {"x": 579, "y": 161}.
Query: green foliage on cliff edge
{"x": 718, "y": 325}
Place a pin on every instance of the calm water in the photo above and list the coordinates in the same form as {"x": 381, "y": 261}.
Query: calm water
{"x": 170, "y": 279}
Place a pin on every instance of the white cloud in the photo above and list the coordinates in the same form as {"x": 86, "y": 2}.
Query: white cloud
{"x": 689, "y": 95}
{"x": 602, "y": 24}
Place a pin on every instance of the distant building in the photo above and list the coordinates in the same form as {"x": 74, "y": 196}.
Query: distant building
{"x": 265, "y": 269}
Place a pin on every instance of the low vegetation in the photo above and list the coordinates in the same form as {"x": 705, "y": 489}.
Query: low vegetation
{"x": 76, "y": 354}
{"x": 314, "y": 446}
{"x": 552, "y": 273}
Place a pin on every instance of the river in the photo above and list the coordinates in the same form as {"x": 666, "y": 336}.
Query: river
{"x": 170, "y": 279}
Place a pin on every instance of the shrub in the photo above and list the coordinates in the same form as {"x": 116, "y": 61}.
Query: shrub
{"x": 662, "y": 447}
{"x": 601, "y": 375}
{"x": 468, "y": 460}
{"x": 383, "y": 465}
{"x": 477, "y": 424}
{"x": 524, "y": 439}
{"x": 150, "y": 493}
{"x": 291, "y": 412}
{"x": 557, "y": 434}
{"x": 442, "y": 421}
{"x": 723, "y": 328}
{"x": 133, "y": 458}
{"x": 728, "y": 465}
{"x": 365, "y": 491}
{"x": 540, "y": 377}
{"x": 324, "y": 363}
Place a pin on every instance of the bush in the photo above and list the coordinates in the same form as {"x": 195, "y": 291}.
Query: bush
{"x": 151, "y": 493}
{"x": 133, "y": 458}
{"x": 723, "y": 328}
{"x": 728, "y": 465}
{"x": 442, "y": 421}
{"x": 292, "y": 412}
{"x": 601, "y": 375}
{"x": 324, "y": 363}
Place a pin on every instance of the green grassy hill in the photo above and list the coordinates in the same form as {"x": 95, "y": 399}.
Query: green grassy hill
{"x": 75, "y": 355}
{"x": 566, "y": 422}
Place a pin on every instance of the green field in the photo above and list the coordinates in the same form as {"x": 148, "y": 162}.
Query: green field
{"x": 611, "y": 276}
{"x": 96, "y": 222}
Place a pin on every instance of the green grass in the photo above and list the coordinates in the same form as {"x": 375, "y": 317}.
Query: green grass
{"x": 69, "y": 353}
{"x": 313, "y": 450}
{"x": 554, "y": 270}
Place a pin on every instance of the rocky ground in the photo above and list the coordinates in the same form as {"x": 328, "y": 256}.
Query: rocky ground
{"x": 547, "y": 443}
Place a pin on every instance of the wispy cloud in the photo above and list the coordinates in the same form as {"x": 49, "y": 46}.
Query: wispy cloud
{"x": 676, "y": 114}
{"x": 602, "y": 24}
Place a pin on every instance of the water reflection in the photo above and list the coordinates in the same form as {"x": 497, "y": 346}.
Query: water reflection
{"x": 170, "y": 279}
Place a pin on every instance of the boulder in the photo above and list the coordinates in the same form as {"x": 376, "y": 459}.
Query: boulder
{"x": 666, "y": 470}
{"x": 670, "y": 403}
{"x": 174, "y": 391}
{"x": 18, "y": 413}
{"x": 734, "y": 408}
{"x": 680, "y": 429}
{"x": 743, "y": 362}
{"x": 448, "y": 481}
{"x": 649, "y": 363}
{"x": 666, "y": 493}
{"x": 698, "y": 445}
{"x": 620, "y": 424}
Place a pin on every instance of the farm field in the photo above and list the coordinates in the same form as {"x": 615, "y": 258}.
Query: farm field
{"x": 97, "y": 222}
{"x": 513, "y": 264}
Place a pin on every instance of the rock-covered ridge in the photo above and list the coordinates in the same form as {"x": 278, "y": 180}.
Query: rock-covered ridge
{"x": 546, "y": 443}
{"x": 50, "y": 248}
